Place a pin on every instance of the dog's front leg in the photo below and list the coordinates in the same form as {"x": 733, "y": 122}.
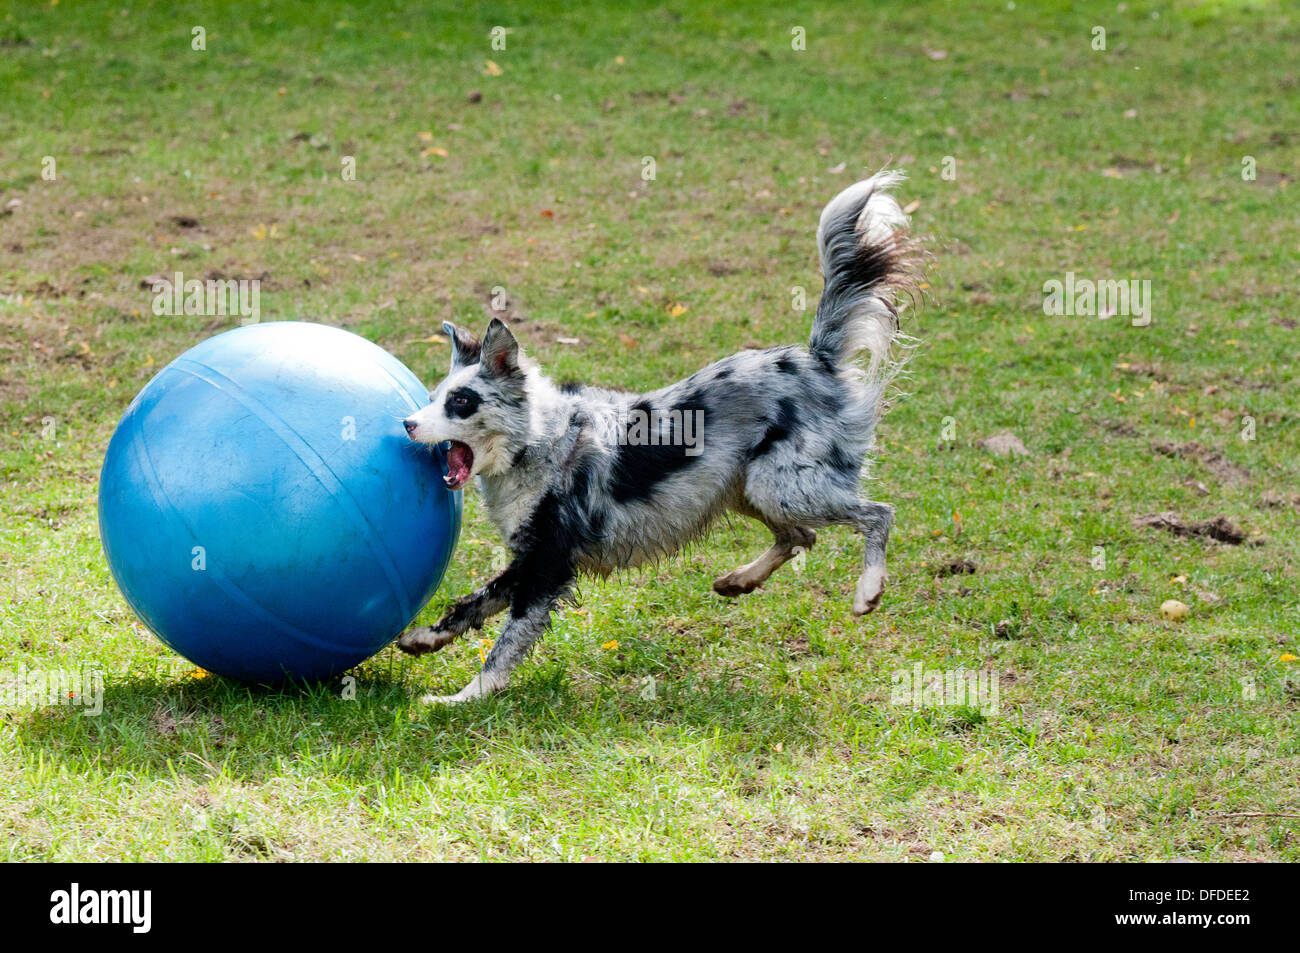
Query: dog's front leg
{"x": 469, "y": 612}
{"x": 516, "y": 638}
{"x": 538, "y": 588}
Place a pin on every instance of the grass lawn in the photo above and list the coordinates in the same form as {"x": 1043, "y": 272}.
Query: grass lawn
{"x": 768, "y": 727}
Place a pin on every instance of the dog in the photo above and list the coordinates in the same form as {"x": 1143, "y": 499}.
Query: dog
{"x": 586, "y": 480}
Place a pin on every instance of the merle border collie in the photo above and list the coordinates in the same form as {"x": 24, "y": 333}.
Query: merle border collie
{"x": 586, "y": 480}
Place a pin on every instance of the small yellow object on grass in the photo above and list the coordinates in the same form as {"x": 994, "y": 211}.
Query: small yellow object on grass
{"x": 611, "y": 645}
{"x": 1173, "y": 610}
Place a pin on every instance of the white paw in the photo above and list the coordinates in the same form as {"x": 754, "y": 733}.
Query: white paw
{"x": 442, "y": 699}
{"x": 870, "y": 586}
{"x": 478, "y": 687}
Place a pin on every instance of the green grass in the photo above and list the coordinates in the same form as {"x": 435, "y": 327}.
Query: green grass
{"x": 770, "y": 731}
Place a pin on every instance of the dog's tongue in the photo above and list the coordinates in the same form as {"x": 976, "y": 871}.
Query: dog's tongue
{"x": 459, "y": 461}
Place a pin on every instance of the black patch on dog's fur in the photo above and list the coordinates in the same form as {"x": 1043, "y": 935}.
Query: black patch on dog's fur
{"x": 541, "y": 581}
{"x": 571, "y": 387}
{"x": 786, "y": 365}
{"x": 824, "y": 363}
{"x": 580, "y": 483}
{"x": 463, "y": 402}
{"x": 468, "y": 610}
{"x": 842, "y": 462}
{"x": 556, "y": 533}
{"x": 639, "y": 468}
{"x": 692, "y": 402}
{"x": 787, "y": 418}
{"x": 580, "y": 498}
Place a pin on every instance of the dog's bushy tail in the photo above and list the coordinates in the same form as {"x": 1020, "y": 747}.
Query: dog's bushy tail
{"x": 868, "y": 261}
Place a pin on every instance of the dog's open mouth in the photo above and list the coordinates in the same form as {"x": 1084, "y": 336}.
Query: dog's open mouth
{"x": 460, "y": 461}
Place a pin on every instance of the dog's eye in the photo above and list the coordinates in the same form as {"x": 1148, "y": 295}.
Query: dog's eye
{"x": 462, "y": 403}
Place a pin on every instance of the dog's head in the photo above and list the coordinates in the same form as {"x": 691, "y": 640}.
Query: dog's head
{"x": 481, "y": 406}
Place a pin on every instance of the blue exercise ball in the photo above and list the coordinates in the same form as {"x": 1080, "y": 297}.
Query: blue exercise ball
{"x": 262, "y": 509}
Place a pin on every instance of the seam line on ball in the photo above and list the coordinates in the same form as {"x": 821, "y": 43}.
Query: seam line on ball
{"x": 315, "y": 465}
{"x": 222, "y": 581}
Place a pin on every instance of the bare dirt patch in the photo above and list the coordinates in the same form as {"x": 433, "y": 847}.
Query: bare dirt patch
{"x": 1277, "y": 501}
{"x": 1213, "y": 460}
{"x": 1218, "y": 528}
{"x": 956, "y": 567}
{"x": 1143, "y": 370}
{"x": 1004, "y": 445}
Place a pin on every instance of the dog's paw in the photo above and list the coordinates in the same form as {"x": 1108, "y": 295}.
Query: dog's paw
{"x": 424, "y": 639}
{"x": 731, "y": 585}
{"x": 480, "y": 686}
{"x": 442, "y": 699}
{"x": 871, "y": 585}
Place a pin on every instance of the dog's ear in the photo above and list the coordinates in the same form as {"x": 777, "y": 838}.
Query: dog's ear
{"x": 464, "y": 346}
{"x": 500, "y": 353}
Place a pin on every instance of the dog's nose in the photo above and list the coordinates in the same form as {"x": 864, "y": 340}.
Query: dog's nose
{"x": 410, "y": 426}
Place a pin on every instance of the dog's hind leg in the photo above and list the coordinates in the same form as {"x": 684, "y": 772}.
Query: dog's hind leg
{"x": 787, "y": 544}
{"x": 807, "y": 498}
{"x": 469, "y": 612}
{"x": 873, "y": 520}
